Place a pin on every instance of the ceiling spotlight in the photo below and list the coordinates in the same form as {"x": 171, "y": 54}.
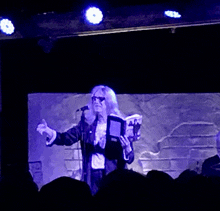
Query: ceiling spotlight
{"x": 7, "y": 26}
{"x": 172, "y": 14}
{"x": 94, "y": 15}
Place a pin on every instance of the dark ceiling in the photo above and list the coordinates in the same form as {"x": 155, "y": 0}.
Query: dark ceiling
{"x": 134, "y": 62}
{"x": 36, "y": 6}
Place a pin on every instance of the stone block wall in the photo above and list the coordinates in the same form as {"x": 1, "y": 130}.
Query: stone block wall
{"x": 178, "y": 131}
{"x": 36, "y": 171}
{"x": 73, "y": 160}
{"x": 186, "y": 147}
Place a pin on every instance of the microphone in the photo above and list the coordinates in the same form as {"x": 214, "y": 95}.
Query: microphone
{"x": 83, "y": 108}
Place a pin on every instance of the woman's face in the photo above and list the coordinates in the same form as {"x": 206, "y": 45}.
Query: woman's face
{"x": 98, "y": 102}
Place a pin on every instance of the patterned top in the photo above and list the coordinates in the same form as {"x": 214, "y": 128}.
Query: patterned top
{"x": 98, "y": 160}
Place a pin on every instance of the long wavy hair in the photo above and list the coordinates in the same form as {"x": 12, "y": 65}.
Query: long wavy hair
{"x": 110, "y": 100}
{"x": 218, "y": 142}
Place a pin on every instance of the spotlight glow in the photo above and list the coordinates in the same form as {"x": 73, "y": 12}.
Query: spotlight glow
{"x": 7, "y": 26}
{"x": 94, "y": 15}
{"x": 172, "y": 14}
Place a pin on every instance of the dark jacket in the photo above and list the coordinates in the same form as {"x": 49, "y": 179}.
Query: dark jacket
{"x": 113, "y": 152}
{"x": 211, "y": 166}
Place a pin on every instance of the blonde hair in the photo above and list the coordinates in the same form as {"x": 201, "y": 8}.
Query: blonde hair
{"x": 110, "y": 100}
{"x": 218, "y": 141}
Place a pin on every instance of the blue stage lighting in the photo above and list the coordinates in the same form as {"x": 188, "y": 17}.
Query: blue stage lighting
{"x": 7, "y": 26}
{"x": 94, "y": 15}
{"x": 172, "y": 14}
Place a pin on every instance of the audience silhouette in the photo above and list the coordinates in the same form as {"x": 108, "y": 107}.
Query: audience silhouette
{"x": 120, "y": 190}
{"x": 18, "y": 191}
{"x": 161, "y": 187}
{"x": 65, "y": 193}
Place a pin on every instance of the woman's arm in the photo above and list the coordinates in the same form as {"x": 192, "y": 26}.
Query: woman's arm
{"x": 67, "y": 138}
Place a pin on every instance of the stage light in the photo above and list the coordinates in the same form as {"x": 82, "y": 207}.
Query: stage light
{"x": 94, "y": 15}
{"x": 172, "y": 14}
{"x": 7, "y": 26}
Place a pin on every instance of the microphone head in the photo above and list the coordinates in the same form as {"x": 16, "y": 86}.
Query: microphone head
{"x": 83, "y": 108}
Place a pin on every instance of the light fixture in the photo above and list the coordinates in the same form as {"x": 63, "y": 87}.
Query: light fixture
{"x": 172, "y": 14}
{"x": 94, "y": 15}
{"x": 6, "y": 26}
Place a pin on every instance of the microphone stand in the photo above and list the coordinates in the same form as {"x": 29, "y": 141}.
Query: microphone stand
{"x": 86, "y": 177}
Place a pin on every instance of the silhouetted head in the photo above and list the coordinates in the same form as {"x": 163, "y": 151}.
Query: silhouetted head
{"x": 122, "y": 190}
{"x": 186, "y": 175}
{"x": 65, "y": 193}
{"x": 160, "y": 176}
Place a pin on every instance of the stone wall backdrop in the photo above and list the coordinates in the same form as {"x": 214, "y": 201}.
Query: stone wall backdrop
{"x": 177, "y": 133}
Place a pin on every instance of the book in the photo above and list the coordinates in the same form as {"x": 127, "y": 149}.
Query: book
{"x": 129, "y": 126}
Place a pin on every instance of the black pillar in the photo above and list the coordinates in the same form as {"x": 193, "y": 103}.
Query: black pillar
{"x": 14, "y": 138}
{"x": 0, "y": 116}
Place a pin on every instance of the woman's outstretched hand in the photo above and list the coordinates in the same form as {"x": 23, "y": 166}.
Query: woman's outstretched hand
{"x": 43, "y": 128}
